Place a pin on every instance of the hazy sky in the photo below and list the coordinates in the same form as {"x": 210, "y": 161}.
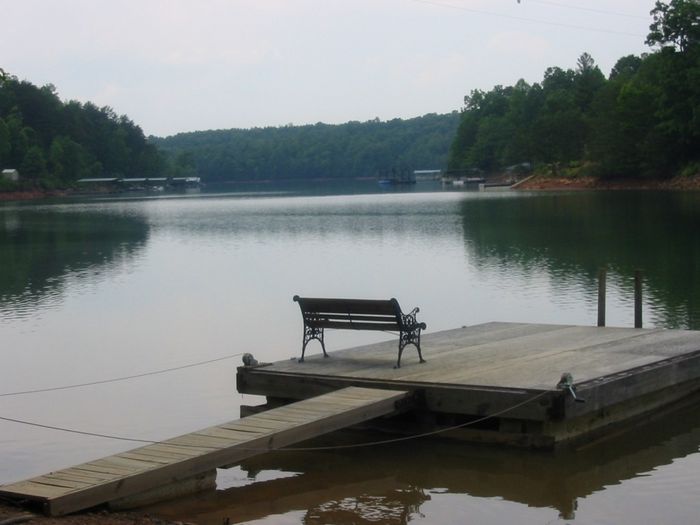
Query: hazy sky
{"x": 185, "y": 65}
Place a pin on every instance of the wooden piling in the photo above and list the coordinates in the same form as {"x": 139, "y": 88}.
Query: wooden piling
{"x": 637, "y": 299}
{"x": 601, "y": 296}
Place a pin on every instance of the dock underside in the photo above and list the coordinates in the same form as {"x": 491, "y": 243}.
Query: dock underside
{"x": 498, "y": 382}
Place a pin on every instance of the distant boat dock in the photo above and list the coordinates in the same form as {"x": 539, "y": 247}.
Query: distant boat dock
{"x": 138, "y": 183}
{"x": 528, "y": 385}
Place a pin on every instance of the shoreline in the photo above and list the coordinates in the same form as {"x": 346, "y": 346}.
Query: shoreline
{"x": 30, "y": 195}
{"x": 549, "y": 183}
{"x": 535, "y": 182}
{"x": 17, "y": 514}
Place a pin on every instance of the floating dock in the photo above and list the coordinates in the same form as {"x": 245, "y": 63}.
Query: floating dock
{"x": 495, "y": 382}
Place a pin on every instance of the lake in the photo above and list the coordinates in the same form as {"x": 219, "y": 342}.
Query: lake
{"x": 99, "y": 288}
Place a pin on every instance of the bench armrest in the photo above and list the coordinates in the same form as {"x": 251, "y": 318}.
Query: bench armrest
{"x": 409, "y": 320}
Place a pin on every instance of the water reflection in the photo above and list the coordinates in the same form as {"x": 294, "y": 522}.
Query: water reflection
{"x": 394, "y": 484}
{"x": 334, "y": 219}
{"x": 543, "y": 241}
{"x": 571, "y": 236}
{"x": 43, "y": 247}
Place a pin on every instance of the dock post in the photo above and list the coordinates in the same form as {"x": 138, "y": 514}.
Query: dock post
{"x": 601, "y": 296}
{"x": 637, "y": 298}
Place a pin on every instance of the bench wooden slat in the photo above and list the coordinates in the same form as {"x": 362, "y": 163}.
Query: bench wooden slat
{"x": 351, "y": 306}
{"x": 347, "y": 325}
{"x": 314, "y": 316}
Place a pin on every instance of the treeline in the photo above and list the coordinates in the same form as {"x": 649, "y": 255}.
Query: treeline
{"x": 53, "y": 143}
{"x": 643, "y": 120}
{"x": 351, "y": 150}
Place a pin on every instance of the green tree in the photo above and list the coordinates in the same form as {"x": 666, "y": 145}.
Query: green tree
{"x": 18, "y": 140}
{"x": 675, "y": 23}
{"x": 185, "y": 165}
{"x": 625, "y": 67}
{"x": 56, "y": 159}
{"x": 619, "y": 120}
{"x": 60, "y": 142}
{"x": 588, "y": 80}
{"x": 5, "y": 144}
{"x": 559, "y": 129}
{"x": 68, "y": 160}
{"x": 34, "y": 164}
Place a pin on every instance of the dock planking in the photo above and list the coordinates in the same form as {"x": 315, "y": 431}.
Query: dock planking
{"x": 184, "y": 457}
{"x": 489, "y": 368}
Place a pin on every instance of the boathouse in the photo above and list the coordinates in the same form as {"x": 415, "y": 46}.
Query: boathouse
{"x": 11, "y": 175}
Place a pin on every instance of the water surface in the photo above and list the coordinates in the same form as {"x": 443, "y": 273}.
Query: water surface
{"x": 102, "y": 288}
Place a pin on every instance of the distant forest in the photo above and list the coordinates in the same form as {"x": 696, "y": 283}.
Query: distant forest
{"x": 53, "y": 143}
{"x": 319, "y": 151}
{"x": 641, "y": 121}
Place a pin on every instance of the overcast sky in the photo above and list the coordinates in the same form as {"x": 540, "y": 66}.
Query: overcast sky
{"x": 186, "y": 65}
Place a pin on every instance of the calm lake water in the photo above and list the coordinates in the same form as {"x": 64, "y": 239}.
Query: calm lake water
{"x": 95, "y": 289}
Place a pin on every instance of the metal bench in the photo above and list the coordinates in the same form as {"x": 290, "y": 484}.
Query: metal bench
{"x": 358, "y": 314}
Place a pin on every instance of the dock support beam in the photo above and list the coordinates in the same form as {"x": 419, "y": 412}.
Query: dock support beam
{"x": 175, "y": 489}
{"x": 637, "y": 298}
{"x": 601, "y": 296}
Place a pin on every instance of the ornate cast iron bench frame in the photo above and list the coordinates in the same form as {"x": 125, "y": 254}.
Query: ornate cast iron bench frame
{"x": 358, "y": 314}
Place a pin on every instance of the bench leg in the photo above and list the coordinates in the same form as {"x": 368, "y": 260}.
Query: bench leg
{"x": 409, "y": 338}
{"x": 310, "y": 334}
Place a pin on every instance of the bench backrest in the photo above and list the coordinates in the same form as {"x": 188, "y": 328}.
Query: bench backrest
{"x": 354, "y": 314}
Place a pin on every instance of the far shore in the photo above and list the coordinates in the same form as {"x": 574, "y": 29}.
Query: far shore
{"x": 28, "y": 195}
{"x": 547, "y": 182}
{"x": 535, "y": 182}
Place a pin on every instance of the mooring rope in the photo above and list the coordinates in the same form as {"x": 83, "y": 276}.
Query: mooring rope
{"x": 81, "y": 432}
{"x": 124, "y": 378}
{"x": 290, "y": 449}
{"x": 424, "y": 434}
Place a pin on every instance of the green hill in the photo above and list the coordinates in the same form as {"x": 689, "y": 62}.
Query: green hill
{"x": 53, "y": 143}
{"x": 319, "y": 151}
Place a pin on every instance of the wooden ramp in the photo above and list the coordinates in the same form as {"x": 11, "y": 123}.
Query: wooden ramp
{"x": 184, "y": 457}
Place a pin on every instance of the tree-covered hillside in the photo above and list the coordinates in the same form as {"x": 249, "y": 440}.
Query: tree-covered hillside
{"x": 643, "y": 120}
{"x": 355, "y": 149}
{"x": 53, "y": 143}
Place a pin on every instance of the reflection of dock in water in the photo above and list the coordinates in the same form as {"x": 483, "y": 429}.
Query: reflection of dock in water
{"x": 397, "y": 479}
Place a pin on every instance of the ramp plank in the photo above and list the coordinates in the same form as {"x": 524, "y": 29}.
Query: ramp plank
{"x": 183, "y": 457}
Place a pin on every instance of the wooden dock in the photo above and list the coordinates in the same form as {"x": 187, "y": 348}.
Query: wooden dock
{"x": 509, "y": 371}
{"x": 495, "y": 382}
{"x": 164, "y": 467}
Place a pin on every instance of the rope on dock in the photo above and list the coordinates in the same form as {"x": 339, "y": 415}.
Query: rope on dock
{"x": 294, "y": 449}
{"x": 423, "y": 434}
{"x": 124, "y": 378}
